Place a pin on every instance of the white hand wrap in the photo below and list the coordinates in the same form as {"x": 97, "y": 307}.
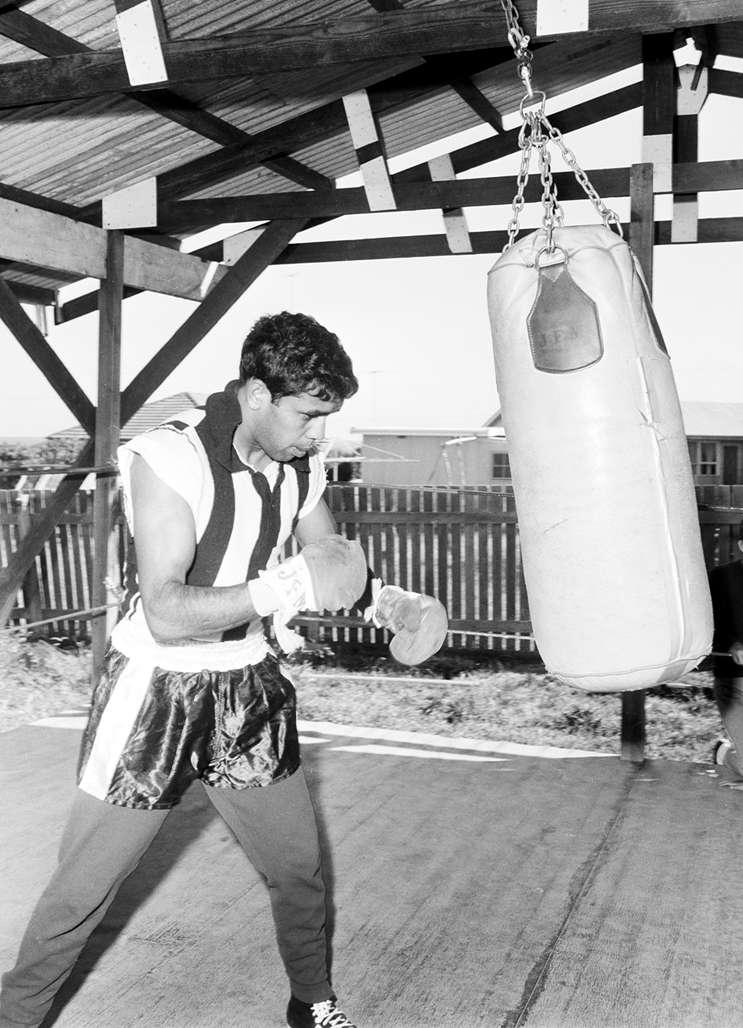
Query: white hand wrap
{"x": 291, "y": 584}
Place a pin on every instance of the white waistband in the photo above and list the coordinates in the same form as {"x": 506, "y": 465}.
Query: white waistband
{"x": 135, "y": 641}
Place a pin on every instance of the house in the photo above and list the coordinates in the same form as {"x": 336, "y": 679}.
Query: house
{"x": 149, "y": 416}
{"x": 479, "y": 456}
{"x": 715, "y": 435}
{"x": 434, "y": 456}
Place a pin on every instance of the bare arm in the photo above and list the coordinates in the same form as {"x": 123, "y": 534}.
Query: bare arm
{"x": 316, "y": 525}
{"x": 165, "y": 537}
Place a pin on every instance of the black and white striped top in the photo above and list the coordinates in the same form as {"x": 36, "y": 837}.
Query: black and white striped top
{"x": 242, "y": 517}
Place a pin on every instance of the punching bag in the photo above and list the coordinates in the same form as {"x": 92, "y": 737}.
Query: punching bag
{"x": 609, "y": 531}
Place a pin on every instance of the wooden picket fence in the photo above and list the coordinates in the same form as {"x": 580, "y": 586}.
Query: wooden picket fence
{"x": 460, "y": 544}
{"x": 58, "y": 586}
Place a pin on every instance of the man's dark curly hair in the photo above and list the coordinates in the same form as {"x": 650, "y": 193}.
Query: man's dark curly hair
{"x": 293, "y": 354}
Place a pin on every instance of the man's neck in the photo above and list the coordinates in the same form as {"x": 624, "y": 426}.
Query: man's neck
{"x": 254, "y": 457}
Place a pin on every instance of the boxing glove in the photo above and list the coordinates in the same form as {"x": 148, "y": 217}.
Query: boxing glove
{"x": 327, "y": 575}
{"x": 419, "y": 623}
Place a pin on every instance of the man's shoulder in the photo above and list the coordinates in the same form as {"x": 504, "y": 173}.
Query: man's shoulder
{"x": 175, "y": 438}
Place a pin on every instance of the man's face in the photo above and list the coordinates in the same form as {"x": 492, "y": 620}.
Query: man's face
{"x": 292, "y": 426}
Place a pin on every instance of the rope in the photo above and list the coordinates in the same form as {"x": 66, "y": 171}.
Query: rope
{"x": 72, "y": 616}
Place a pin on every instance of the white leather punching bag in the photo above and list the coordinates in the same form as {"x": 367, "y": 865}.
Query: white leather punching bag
{"x": 608, "y": 523}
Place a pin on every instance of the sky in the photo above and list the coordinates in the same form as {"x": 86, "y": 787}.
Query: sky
{"x": 417, "y": 330}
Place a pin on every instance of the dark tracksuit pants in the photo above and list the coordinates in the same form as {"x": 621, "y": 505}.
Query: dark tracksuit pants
{"x": 102, "y": 845}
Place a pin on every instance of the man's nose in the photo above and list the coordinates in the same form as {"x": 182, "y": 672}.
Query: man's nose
{"x": 316, "y": 428}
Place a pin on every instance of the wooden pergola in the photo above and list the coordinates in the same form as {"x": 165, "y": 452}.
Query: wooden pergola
{"x": 128, "y": 127}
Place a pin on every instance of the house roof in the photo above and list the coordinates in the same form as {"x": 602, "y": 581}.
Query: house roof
{"x": 707, "y": 419}
{"x": 147, "y": 417}
{"x": 712, "y": 420}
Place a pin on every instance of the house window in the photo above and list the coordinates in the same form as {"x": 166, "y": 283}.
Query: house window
{"x": 708, "y": 458}
{"x": 704, "y": 458}
{"x": 501, "y": 467}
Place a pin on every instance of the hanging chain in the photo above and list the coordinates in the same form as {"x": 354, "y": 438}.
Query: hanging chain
{"x": 537, "y": 133}
{"x": 523, "y": 177}
{"x": 520, "y": 44}
{"x": 607, "y": 215}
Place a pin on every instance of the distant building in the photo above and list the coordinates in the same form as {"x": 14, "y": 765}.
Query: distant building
{"x": 715, "y": 435}
{"x": 479, "y": 456}
{"x": 434, "y": 456}
{"x": 148, "y": 416}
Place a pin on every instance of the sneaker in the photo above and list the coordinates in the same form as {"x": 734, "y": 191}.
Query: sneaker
{"x": 316, "y": 1015}
{"x": 720, "y": 750}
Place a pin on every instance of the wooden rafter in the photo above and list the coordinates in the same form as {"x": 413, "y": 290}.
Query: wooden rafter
{"x": 418, "y": 196}
{"x": 466, "y": 158}
{"x": 50, "y": 240}
{"x": 21, "y": 27}
{"x": 711, "y": 230}
{"x": 451, "y": 28}
{"x": 463, "y": 86}
{"x": 44, "y": 357}
{"x": 323, "y": 123}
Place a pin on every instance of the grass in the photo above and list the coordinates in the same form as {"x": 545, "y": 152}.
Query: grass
{"x": 506, "y": 699}
{"x": 38, "y": 679}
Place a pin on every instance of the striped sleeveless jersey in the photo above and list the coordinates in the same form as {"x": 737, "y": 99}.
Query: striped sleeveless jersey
{"x": 243, "y": 518}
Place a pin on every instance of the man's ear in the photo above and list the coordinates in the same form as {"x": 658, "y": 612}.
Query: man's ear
{"x": 740, "y": 545}
{"x": 257, "y": 394}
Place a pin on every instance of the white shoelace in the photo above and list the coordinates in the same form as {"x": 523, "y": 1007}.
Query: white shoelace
{"x": 327, "y": 1015}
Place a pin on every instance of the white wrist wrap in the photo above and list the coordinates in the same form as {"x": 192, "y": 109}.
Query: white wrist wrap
{"x": 292, "y": 584}
{"x": 370, "y": 612}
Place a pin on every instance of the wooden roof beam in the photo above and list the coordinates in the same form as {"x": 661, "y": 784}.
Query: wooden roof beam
{"x": 306, "y": 130}
{"x": 444, "y": 29}
{"x": 317, "y": 125}
{"x": 463, "y": 87}
{"x": 22, "y": 28}
{"x": 41, "y": 353}
{"x": 48, "y": 240}
{"x": 392, "y": 94}
{"x": 726, "y": 83}
{"x": 262, "y": 52}
{"x": 711, "y": 230}
{"x": 708, "y": 176}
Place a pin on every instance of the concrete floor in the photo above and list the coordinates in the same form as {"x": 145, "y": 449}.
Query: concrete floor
{"x": 470, "y": 888}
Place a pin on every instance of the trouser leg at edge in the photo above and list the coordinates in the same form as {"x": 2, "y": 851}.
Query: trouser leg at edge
{"x": 729, "y": 697}
{"x": 101, "y": 845}
{"x": 276, "y": 826}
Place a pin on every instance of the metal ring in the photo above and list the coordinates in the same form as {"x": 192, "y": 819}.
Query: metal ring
{"x": 531, "y": 99}
{"x": 546, "y": 249}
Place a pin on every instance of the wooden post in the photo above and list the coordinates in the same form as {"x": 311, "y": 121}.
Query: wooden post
{"x": 31, "y": 591}
{"x": 642, "y": 219}
{"x": 633, "y": 726}
{"x": 107, "y": 433}
{"x": 646, "y": 179}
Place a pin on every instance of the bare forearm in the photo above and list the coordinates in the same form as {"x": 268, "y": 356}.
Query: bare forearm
{"x": 176, "y": 612}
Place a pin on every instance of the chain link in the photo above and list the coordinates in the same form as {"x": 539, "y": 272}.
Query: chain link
{"x": 607, "y": 215}
{"x": 522, "y": 179}
{"x": 520, "y": 44}
{"x": 532, "y": 136}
